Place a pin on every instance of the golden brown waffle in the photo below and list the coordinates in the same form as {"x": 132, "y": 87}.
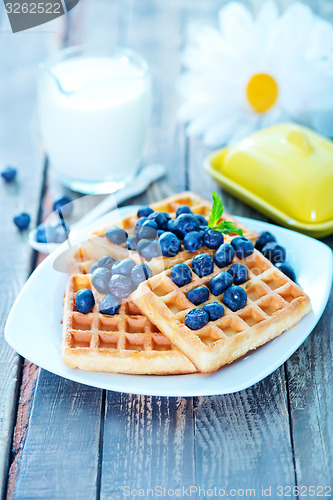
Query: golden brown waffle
{"x": 98, "y": 245}
{"x": 274, "y": 305}
{"x": 124, "y": 343}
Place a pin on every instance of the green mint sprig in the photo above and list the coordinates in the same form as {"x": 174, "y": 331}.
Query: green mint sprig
{"x": 223, "y": 226}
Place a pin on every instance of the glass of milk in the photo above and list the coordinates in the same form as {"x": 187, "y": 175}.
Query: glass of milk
{"x": 94, "y": 108}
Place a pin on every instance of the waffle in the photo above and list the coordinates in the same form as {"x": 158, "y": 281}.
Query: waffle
{"x": 124, "y": 343}
{"x": 98, "y": 245}
{"x": 274, "y": 305}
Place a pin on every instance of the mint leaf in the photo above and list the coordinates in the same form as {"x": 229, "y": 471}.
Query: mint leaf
{"x": 224, "y": 226}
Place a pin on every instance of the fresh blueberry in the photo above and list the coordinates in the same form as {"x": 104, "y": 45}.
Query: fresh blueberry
{"x": 143, "y": 244}
{"x": 106, "y": 261}
{"x": 109, "y": 305}
{"x": 181, "y": 274}
{"x": 264, "y": 238}
{"x": 235, "y": 298}
{"x": 161, "y": 219}
{"x": 213, "y": 239}
{"x": 60, "y": 234}
{"x": 116, "y": 235}
{"x": 203, "y": 229}
{"x": 185, "y": 223}
{"x": 193, "y": 241}
{"x": 138, "y": 224}
{"x": 120, "y": 286}
{"x": 132, "y": 242}
{"x": 148, "y": 230}
{"x": 170, "y": 244}
{"x": 64, "y": 206}
{"x": 220, "y": 283}
{"x": 141, "y": 272}
{"x": 215, "y": 310}
{"x": 45, "y": 233}
{"x": 22, "y": 221}
{"x": 239, "y": 273}
{"x": 274, "y": 252}
{"x": 224, "y": 255}
{"x": 196, "y": 319}
{"x": 160, "y": 232}
{"x": 123, "y": 267}
{"x": 201, "y": 219}
{"x": 144, "y": 212}
{"x": 93, "y": 268}
{"x": 243, "y": 247}
{"x": 198, "y": 295}
{"x": 84, "y": 301}
{"x": 100, "y": 279}
{"x": 151, "y": 250}
{"x": 183, "y": 209}
{"x": 287, "y": 270}
{"x": 202, "y": 264}
{"x": 8, "y": 174}
{"x": 171, "y": 229}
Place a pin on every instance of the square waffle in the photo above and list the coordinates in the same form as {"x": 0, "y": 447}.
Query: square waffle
{"x": 124, "y": 343}
{"x": 274, "y": 304}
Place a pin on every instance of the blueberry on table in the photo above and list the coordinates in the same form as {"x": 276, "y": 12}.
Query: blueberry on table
{"x": 22, "y": 221}
{"x": 220, "y": 283}
{"x": 106, "y": 261}
{"x": 138, "y": 225}
{"x": 264, "y": 238}
{"x": 116, "y": 235}
{"x": 287, "y": 270}
{"x": 235, "y": 298}
{"x": 8, "y": 174}
{"x": 201, "y": 219}
{"x": 183, "y": 209}
{"x": 121, "y": 286}
{"x": 239, "y": 273}
{"x": 181, "y": 274}
{"x": 202, "y": 265}
{"x": 148, "y": 230}
{"x": 198, "y": 295}
{"x": 185, "y": 223}
{"x": 170, "y": 244}
{"x": 140, "y": 273}
{"x": 151, "y": 250}
{"x": 215, "y": 310}
{"x": 161, "y": 219}
{"x": 109, "y": 305}
{"x": 84, "y": 301}
{"x": 193, "y": 241}
{"x": 196, "y": 319}
{"x": 64, "y": 206}
{"x": 213, "y": 239}
{"x": 101, "y": 278}
{"x": 274, "y": 252}
{"x": 132, "y": 243}
{"x": 144, "y": 212}
{"x": 243, "y": 246}
{"x": 123, "y": 267}
{"x": 224, "y": 255}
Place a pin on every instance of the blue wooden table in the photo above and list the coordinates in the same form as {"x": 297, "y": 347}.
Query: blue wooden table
{"x": 63, "y": 440}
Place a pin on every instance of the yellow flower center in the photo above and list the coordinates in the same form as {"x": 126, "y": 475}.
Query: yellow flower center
{"x": 262, "y": 92}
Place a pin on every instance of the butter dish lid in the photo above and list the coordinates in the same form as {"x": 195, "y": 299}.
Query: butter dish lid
{"x": 285, "y": 171}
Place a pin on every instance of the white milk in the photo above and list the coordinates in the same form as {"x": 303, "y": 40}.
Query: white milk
{"x": 93, "y": 117}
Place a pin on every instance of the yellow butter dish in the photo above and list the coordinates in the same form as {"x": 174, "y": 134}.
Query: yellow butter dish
{"x": 285, "y": 171}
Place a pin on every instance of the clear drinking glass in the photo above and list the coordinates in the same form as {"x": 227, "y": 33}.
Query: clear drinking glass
{"x": 94, "y": 107}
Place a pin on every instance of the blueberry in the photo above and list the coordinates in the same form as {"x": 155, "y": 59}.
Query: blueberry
{"x": 143, "y": 244}
{"x": 202, "y": 264}
{"x": 161, "y": 219}
{"x": 116, "y": 235}
{"x": 243, "y": 247}
{"x": 160, "y": 232}
{"x": 93, "y": 268}
{"x": 120, "y": 286}
{"x": 185, "y": 223}
{"x": 203, "y": 229}
{"x": 45, "y": 233}
{"x": 8, "y": 174}
{"x": 215, "y": 310}
{"x": 109, "y": 305}
{"x": 224, "y": 255}
{"x": 64, "y": 206}
{"x": 100, "y": 279}
{"x": 84, "y": 301}
{"x": 150, "y": 250}
{"x": 22, "y": 220}
{"x": 148, "y": 230}
{"x": 183, "y": 209}
{"x": 193, "y": 241}
{"x": 181, "y": 274}
{"x": 274, "y": 252}
{"x": 144, "y": 212}
{"x": 60, "y": 234}
{"x": 201, "y": 219}
{"x": 213, "y": 239}
{"x": 170, "y": 244}
{"x": 138, "y": 224}
{"x": 171, "y": 228}
{"x": 106, "y": 262}
{"x": 123, "y": 267}
{"x": 264, "y": 238}
{"x": 235, "y": 298}
{"x": 220, "y": 283}
{"x": 239, "y": 273}
{"x": 287, "y": 270}
{"x": 196, "y": 319}
{"x": 141, "y": 272}
{"x": 198, "y": 295}
{"x": 132, "y": 242}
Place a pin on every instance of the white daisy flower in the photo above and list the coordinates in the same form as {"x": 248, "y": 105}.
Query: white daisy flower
{"x": 252, "y": 73}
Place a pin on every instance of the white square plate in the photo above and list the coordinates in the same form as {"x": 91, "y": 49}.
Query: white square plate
{"x": 34, "y": 328}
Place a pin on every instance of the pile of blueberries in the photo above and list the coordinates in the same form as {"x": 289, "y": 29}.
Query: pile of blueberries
{"x": 268, "y": 246}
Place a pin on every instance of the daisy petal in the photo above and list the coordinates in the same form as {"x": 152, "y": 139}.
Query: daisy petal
{"x": 237, "y": 26}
